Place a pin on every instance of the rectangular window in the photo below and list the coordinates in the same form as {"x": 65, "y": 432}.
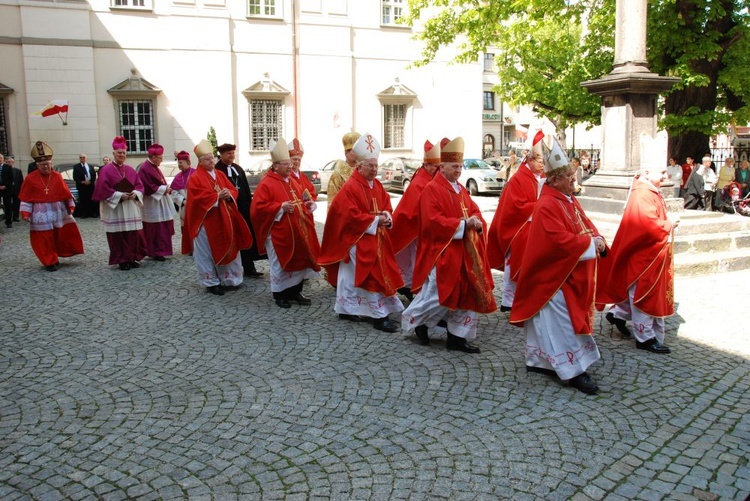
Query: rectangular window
{"x": 265, "y": 122}
{"x": 262, "y": 8}
{"x": 394, "y": 122}
{"x": 133, "y": 4}
{"x": 489, "y": 100}
{"x": 4, "y": 146}
{"x": 489, "y": 62}
{"x": 392, "y": 11}
{"x": 137, "y": 124}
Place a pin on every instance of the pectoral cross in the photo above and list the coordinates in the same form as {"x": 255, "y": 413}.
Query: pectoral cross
{"x": 464, "y": 210}
{"x": 584, "y": 230}
{"x": 296, "y": 202}
{"x": 46, "y": 190}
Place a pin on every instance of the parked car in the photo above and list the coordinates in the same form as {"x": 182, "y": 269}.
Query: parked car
{"x": 325, "y": 175}
{"x": 395, "y": 174}
{"x": 479, "y": 177}
{"x": 66, "y": 170}
{"x": 256, "y": 172}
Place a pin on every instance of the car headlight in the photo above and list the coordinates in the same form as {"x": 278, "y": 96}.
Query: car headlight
{"x": 489, "y": 179}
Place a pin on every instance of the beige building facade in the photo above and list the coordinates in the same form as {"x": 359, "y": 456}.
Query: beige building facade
{"x": 167, "y": 70}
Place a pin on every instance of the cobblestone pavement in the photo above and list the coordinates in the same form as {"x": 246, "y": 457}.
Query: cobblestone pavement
{"x": 140, "y": 385}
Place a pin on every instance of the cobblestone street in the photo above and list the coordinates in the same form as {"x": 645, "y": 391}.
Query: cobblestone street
{"x": 139, "y": 384}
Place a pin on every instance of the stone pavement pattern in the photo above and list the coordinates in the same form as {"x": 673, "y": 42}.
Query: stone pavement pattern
{"x": 139, "y": 385}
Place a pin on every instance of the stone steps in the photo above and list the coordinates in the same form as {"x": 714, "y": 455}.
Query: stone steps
{"x": 705, "y": 242}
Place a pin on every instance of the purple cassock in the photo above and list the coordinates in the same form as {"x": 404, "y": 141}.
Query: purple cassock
{"x": 158, "y": 211}
{"x": 121, "y": 218}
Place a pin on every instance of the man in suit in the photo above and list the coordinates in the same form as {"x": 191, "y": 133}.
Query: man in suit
{"x": 17, "y": 182}
{"x": 84, "y": 176}
{"x": 6, "y": 190}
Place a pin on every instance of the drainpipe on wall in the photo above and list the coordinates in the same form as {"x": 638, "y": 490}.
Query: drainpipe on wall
{"x": 295, "y": 69}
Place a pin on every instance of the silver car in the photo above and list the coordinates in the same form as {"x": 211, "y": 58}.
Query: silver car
{"x": 479, "y": 177}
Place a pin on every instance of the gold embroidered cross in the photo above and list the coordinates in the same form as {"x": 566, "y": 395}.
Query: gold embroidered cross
{"x": 464, "y": 210}
{"x": 584, "y": 230}
{"x": 374, "y": 207}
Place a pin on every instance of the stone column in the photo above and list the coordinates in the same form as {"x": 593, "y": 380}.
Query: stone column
{"x": 629, "y": 96}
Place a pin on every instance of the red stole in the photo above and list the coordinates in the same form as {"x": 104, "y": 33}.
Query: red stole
{"x": 40, "y": 189}
{"x": 304, "y": 183}
{"x": 464, "y": 278}
{"x": 227, "y": 231}
{"x": 510, "y": 226}
{"x": 293, "y": 236}
{"x": 559, "y": 234}
{"x": 641, "y": 255}
{"x": 406, "y": 215}
{"x": 350, "y": 214}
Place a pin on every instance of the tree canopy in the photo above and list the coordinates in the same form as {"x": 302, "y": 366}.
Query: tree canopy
{"x": 544, "y": 49}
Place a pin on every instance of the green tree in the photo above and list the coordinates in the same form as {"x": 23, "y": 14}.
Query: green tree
{"x": 546, "y": 48}
{"x": 211, "y": 138}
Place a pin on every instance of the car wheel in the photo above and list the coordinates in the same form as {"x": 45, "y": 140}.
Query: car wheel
{"x": 406, "y": 185}
{"x": 472, "y": 187}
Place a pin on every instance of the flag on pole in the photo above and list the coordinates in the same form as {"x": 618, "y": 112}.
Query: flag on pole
{"x": 55, "y": 107}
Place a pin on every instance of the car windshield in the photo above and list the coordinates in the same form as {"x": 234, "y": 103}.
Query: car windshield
{"x": 477, "y": 164}
{"x": 412, "y": 164}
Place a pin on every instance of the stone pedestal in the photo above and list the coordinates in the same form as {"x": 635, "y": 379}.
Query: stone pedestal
{"x": 629, "y": 96}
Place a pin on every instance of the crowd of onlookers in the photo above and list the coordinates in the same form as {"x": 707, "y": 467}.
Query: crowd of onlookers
{"x": 704, "y": 187}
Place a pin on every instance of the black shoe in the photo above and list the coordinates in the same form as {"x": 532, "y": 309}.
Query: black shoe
{"x": 283, "y": 303}
{"x": 406, "y": 292}
{"x": 125, "y": 266}
{"x": 299, "y": 299}
{"x": 252, "y": 272}
{"x": 541, "y": 370}
{"x": 216, "y": 290}
{"x": 443, "y": 324}
{"x": 505, "y": 308}
{"x": 159, "y": 258}
{"x": 16, "y": 220}
{"x": 653, "y": 346}
{"x": 52, "y": 267}
{"x": 456, "y": 343}
{"x": 9, "y": 225}
{"x": 351, "y": 318}
{"x": 583, "y": 382}
{"x": 135, "y": 264}
{"x": 422, "y": 336}
{"x": 620, "y": 324}
{"x": 385, "y": 324}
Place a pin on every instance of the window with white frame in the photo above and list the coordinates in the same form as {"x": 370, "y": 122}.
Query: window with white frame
{"x": 4, "y": 146}
{"x": 489, "y": 100}
{"x": 394, "y": 125}
{"x": 137, "y": 124}
{"x": 263, "y": 8}
{"x": 489, "y": 62}
{"x": 265, "y": 122}
{"x": 133, "y": 4}
{"x": 392, "y": 11}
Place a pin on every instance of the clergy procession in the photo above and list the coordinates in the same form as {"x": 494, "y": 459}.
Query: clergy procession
{"x": 424, "y": 267}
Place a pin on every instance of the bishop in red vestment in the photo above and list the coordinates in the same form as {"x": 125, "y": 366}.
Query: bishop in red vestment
{"x": 639, "y": 276}
{"x": 406, "y": 216}
{"x": 46, "y": 202}
{"x": 451, "y": 271}
{"x": 295, "y": 156}
{"x": 282, "y": 217}
{"x": 509, "y": 231}
{"x": 356, "y": 249}
{"x": 555, "y": 296}
{"x": 214, "y": 230}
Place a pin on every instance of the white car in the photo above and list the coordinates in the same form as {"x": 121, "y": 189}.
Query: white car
{"x": 479, "y": 177}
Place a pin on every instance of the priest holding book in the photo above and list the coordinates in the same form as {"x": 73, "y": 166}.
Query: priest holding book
{"x": 120, "y": 196}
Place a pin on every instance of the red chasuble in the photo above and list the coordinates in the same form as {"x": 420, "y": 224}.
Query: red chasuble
{"x": 509, "y": 230}
{"x": 406, "y": 215}
{"x": 559, "y": 234}
{"x": 641, "y": 255}
{"x": 305, "y": 184}
{"x": 39, "y": 189}
{"x": 464, "y": 278}
{"x": 227, "y": 231}
{"x": 349, "y": 216}
{"x": 293, "y": 236}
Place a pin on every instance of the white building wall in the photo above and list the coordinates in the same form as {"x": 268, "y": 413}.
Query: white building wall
{"x": 202, "y": 54}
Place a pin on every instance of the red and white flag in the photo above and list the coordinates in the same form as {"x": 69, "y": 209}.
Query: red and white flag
{"x": 54, "y": 107}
